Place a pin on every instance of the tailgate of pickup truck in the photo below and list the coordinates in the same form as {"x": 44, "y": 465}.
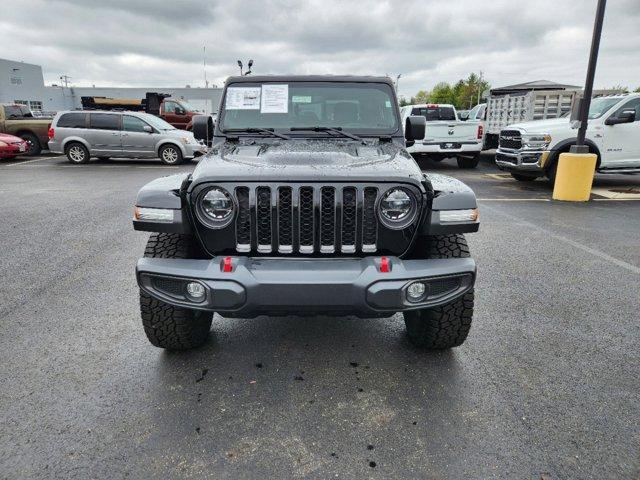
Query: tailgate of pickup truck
{"x": 450, "y": 132}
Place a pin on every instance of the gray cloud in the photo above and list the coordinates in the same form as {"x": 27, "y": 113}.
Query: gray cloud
{"x": 156, "y": 44}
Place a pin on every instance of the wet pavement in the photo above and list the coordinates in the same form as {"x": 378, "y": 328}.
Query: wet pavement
{"x": 546, "y": 386}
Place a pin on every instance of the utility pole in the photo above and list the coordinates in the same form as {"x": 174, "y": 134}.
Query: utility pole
{"x": 580, "y": 147}
{"x": 65, "y": 79}
{"x": 479, "y": 86}
{"x": 204, "y": 65}
{"x": 398, "y": 82}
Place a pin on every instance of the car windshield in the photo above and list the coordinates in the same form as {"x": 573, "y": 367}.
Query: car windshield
{"x": 363, "y": 108}
{"x": 600, "y": 106}
{"x": 156, "y": 122}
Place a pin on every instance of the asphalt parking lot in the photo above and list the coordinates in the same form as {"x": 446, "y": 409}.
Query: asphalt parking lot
{"x": 546, "y": 386}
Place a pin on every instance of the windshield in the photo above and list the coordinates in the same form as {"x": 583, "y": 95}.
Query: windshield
{"x": 156, "y": 122}
{"x": 359, "y": 107}
{"x": 188, "y": 107}
{"x": 600, "y": 106}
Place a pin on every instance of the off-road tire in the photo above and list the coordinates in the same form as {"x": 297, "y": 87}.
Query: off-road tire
{"x": 77, "y": 153}
{"x": 446, "y": 326}
{"x": 167, "y": 326}
{"x": 468, "y": 162}
{"x": 523, "y": 178}
{"x": 34, "y": 144}
{"x": 170, "y": 154}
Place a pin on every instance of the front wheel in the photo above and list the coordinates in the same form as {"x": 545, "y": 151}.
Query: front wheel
{"x": 448, "y": 325}
{"x": 170, "y": 155}
{"x": 167, "y": 326}
{"x": 468, "y": 162}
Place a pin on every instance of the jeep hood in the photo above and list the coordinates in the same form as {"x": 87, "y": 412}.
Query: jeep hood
{"x": 541, "y": 126}
{"x": 307, "y": 160}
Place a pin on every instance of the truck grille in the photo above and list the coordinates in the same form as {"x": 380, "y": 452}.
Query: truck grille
{"x": 511, "y": 139}
{"x": 306, "y": 219}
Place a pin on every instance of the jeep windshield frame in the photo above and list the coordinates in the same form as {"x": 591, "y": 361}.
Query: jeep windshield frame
{"x": 362, "y": 108}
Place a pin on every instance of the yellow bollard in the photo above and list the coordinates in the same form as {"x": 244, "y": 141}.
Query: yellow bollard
{"x": 574, "y": 177}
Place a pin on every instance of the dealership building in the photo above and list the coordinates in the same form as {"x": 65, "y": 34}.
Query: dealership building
{"x": 23, "y": 83}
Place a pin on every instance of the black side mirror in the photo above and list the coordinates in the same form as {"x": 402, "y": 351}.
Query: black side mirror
{"x": 625, "y": 116}
{"x": 414, "y": 129}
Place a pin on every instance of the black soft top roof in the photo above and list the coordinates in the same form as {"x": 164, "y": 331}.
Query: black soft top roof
{"x": 308, "y": 78}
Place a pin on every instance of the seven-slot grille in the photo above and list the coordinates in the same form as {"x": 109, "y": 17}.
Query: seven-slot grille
{"x": 307, "y": 219}
{"x": 510, "y": 139}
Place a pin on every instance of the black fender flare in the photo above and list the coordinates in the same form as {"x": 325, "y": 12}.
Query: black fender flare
{"x": 564, "y": 145}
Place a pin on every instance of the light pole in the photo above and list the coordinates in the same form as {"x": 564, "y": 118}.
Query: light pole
{"x": 580, "y": 147}
{"x": 249, "y": 65}
{"x": 398, "y": 82}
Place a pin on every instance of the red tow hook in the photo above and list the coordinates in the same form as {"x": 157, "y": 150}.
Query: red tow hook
{"x": 385, "y": 265}
{"x": 227, "y": 266}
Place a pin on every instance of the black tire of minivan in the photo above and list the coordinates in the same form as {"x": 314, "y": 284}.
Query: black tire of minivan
{"x": 77, "y": 153}
{"x": 170, "y": 155}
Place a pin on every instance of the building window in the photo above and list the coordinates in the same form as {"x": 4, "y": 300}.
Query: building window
{"x": 35, "y": 105}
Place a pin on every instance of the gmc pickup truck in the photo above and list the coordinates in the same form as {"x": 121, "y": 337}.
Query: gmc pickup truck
{"x": 530, "y": 150}
{"x": 446, "y": 136}
{"x": 19, "y": 121}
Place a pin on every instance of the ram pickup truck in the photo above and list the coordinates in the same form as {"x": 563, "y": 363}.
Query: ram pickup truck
{"x": 19, "y": 121}
{"x": 446, "y": 136}
{"x": 530, "y": 150}
{"x": 308, "y": 203}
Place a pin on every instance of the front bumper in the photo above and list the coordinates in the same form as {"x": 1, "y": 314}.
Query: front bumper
{"x": 522, "y": 160}
{"x": 446, "y": 148}
{"x": 192, "y": 150}
{"x": 279, "y": 286}
{"x": 13, "y": 149}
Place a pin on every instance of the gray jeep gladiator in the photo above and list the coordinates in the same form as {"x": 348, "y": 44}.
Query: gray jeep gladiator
{"x": 308, "y": 204}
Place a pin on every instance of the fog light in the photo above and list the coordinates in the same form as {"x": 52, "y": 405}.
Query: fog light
{"x": 416, "y": 291}
{"x": 195, "y": 290}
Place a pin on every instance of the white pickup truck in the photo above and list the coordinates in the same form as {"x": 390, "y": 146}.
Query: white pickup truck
{"x": 445, "y": 135}
{"x": 530, "y": 150}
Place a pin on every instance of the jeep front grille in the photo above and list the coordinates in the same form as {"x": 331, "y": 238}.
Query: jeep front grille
{"x": 511, "y": 139}
{"x": 307, "y": 219}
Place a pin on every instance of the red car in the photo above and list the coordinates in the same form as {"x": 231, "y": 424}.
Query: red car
{"x": 11, "y": 147}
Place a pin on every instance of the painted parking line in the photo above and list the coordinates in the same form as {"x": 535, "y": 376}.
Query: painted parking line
{"x": 25, "y": 162}
{"x": 591, "y": 251}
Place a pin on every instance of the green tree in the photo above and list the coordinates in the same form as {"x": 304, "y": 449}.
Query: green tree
{"x": 441, "y": 93}
{"x": 422, "y": 96}
{"x": 637, "y": 90}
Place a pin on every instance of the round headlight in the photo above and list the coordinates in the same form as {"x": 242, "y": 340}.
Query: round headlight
{"x": 216, "y": 207}
{"x": 397, "y": 208}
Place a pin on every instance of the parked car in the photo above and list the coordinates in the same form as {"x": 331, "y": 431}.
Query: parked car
{"x": 178, "y": 113}
{"x": 308, "y": 203}
{"x": 81, "y": 135}
{"x": 446, "y": 136}
{"x": 12, "y": 146}
{"x": 19, "y": 121}
{"x": 531, "y": 150}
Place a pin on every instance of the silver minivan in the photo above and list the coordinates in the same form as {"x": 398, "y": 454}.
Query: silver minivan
{"x": 83, "y": 134}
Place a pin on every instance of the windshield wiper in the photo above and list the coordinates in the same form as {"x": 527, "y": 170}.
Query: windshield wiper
{"x": 269, "y": 131}
{"x": 337, "y": 130}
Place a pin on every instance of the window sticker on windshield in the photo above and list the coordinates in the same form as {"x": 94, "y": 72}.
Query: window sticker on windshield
{"x": 275, "y": 99}
{"x": 301, "y": 99}
{"x": 243, "y": 98}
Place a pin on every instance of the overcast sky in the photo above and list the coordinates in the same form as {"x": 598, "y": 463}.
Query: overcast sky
{"x": 160, "y": 44}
